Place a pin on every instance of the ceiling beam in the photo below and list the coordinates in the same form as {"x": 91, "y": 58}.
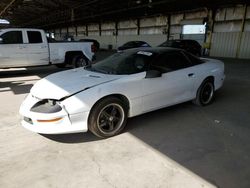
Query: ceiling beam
{"x": 6, "y": 8}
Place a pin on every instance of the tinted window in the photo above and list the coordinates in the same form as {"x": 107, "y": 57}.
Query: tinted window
{"x": 12, "y": 37}
{"x": 129, "y": 44}
{"x": 173, "y": 43}
{"x": 138, "y": 44}
{"x": 171, "y": 61}
{"x": 34, "y": 37}
{"x": 123, "y": 63}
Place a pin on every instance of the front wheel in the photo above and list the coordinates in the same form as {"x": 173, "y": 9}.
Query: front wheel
{"x": 205, "y": 93}
{"x": 108, "y": 117}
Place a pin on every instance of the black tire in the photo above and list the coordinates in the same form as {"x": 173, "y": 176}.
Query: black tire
{"x": 205, "y": 93}
{"x": 108, "y": 117}
{"x": 79, "y": 61}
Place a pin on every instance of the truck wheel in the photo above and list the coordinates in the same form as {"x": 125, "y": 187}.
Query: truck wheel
{"x": 79, "y": 61}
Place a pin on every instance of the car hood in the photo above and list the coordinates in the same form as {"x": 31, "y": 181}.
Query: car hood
{"x": 63, "y": 84}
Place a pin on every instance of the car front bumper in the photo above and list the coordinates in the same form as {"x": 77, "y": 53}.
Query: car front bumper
{"x": 52, "y": 123}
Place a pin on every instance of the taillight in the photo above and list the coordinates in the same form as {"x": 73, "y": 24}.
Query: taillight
{"x": 93, "y": 48}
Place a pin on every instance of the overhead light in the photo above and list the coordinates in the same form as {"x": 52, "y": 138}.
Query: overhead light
{"x": 138, "y": 1}
{"x": 3, "y": 21}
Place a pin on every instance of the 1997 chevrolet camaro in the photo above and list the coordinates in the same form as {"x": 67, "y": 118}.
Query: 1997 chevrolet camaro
{"x": 102, "y": 96}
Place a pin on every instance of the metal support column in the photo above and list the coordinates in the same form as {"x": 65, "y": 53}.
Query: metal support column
{"x": 241, "y": 31}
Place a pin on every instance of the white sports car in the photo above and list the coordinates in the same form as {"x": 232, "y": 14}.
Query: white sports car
{"x": 102, "y": 96}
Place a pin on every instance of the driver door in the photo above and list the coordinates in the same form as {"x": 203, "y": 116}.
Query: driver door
{"x": 174, "y": 86}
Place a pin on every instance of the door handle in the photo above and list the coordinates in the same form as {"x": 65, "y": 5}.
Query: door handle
{"x": 191, "y": 75}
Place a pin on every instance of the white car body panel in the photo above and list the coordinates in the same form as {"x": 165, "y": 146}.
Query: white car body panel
{"x": 36, "y": 54}
{"x": 19, "y": 53}
{"x": 82, "y": 89}
{"x": 168, "y": 89}
{"x": 77, "y": 79}
{"x": 59, "y": 49}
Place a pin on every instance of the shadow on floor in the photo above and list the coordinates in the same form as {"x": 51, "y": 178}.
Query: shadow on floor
{"x": 212, "y": 141}
{"x": 72, "y": 138}
{"x": 21, "y": 72}
{"x": 16, "y": 87}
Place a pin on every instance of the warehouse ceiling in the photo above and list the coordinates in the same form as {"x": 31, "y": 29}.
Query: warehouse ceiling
{"x": 53, "y": 13}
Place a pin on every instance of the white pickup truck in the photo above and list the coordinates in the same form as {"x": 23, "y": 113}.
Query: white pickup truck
{"x": 30, "y": 47}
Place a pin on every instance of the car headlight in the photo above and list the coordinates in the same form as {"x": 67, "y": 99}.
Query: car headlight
{"x": 46, "y": 106}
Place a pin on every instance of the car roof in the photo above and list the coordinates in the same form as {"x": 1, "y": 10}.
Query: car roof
{"x": 154, "y": 49}
{"x": 180, "y": 40}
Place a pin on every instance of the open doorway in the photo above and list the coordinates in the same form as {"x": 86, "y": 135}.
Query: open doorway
{"x": 194, "y": 32}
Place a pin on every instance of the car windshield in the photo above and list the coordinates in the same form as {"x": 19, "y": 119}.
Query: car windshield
{"x": 124, "y": 63}
{"x": 128, "y": 44}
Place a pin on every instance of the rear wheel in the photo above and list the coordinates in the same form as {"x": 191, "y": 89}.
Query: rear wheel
{"x": 108, "y": 117}
{"x": 80, "y": 61}
{"x": 205, "y": 93}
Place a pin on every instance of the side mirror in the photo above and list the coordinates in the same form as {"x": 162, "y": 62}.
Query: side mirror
{"x": 153, "y": 74}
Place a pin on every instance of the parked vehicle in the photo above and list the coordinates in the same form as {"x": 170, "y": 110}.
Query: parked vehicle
{"x": 133, "y": 44}
{"x": 191, "y": 46}
{"x": 102, "y": 96}
{"x": 30, "y": 47}
{"x": 96, "y": 44}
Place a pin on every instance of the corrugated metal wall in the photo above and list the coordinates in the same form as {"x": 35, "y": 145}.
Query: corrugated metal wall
{"x": 224, "y": 44}
{"x": 245, "y": 46}
{"x": 225, "y": 36}
{"x": 228, "y": 35}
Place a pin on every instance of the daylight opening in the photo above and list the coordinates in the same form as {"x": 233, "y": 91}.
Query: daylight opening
{"x": 194, "y": 29}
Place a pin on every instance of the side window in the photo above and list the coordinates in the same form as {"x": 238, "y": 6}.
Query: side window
{"x": 34, "y": 37}
{"x": 171, "y": 61}
{"x": 129, "y": 44}
{"x": 133, "y": 64}
{"x": 12, "y": 37}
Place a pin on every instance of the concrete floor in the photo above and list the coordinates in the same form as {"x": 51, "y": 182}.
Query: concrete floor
{"x": 180, "y": 146}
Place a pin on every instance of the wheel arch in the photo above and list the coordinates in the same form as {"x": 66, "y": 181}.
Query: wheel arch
{"x": 209, "y": 78}
{"x": 69, "y": 55}
{"x": 119, "y": 96}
